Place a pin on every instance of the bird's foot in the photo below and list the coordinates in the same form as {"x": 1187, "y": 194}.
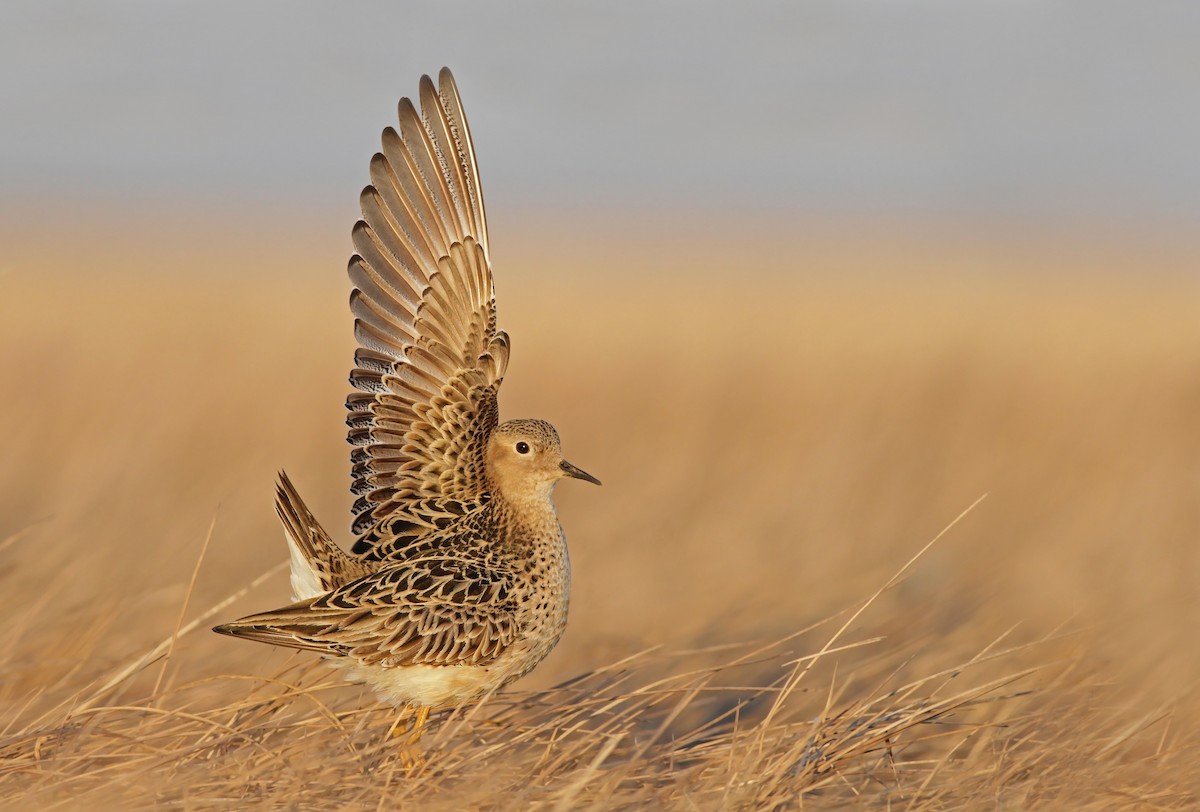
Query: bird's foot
{"x": 411, "y": 757}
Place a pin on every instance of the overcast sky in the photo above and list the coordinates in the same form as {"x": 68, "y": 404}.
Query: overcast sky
{"x": 979, "y": 107}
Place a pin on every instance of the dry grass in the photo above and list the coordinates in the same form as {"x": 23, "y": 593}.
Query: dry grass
{"x": 779, "y": 432}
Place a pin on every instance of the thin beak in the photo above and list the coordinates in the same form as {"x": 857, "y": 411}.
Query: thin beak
{"x": 578, "y": 473}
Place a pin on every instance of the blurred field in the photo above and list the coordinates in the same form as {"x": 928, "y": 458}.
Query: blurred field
{"x": 780, "y": 424}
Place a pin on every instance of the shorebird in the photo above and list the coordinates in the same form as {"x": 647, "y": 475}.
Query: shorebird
{"x": 458, "y": 580}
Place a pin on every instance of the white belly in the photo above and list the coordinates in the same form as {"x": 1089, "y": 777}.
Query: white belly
{"x": 422, "y": 684}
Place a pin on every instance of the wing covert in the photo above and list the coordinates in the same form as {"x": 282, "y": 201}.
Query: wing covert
{"x": 432, "y": 611}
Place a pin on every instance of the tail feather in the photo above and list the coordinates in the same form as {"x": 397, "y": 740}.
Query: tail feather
{"x": 318, "y": 565}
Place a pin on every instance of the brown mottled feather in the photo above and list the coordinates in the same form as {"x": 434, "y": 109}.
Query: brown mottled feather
{"x": 430, "y": 357}
{"x": 431, "y": 610}
{"x": 332, "y": 565}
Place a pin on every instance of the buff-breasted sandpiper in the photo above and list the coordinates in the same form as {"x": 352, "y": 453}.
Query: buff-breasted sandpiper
{"x": 458, "y": 580}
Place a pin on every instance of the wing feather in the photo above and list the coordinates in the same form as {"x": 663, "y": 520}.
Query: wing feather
{"x": 428, "y": 611}
{"x": 430, "y": 358}
{"x": 464, "y": 155}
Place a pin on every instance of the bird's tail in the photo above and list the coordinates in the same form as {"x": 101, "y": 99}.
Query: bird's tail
{"x": 318, "y": 565}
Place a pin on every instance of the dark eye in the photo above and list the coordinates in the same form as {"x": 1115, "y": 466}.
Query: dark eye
{"x": 522, "y": 447}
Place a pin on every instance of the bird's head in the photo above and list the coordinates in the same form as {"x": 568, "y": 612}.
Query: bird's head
{"x": 524, "y": 460}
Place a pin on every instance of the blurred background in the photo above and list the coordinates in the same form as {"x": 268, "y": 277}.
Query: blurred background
{"x": 1023, "y": 114}
{"x": 798, "y": 281}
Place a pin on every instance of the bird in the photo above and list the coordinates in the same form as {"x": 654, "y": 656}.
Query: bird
{"x": 458, "y": 580}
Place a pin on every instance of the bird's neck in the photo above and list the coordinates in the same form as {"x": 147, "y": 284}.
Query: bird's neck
{"x": 528, "y": 511}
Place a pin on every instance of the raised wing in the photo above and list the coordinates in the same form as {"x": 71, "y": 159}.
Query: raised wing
{"x": 430, "y": 357}
{"x": 431, "y": 611}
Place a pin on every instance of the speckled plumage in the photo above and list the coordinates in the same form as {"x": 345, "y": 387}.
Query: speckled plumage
{"x": 458, "y": 581}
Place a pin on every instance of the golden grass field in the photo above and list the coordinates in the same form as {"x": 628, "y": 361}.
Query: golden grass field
{"x": 782, "y": 424}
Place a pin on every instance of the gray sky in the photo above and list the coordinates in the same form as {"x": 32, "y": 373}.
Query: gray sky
{"x": 1014, "y": 109}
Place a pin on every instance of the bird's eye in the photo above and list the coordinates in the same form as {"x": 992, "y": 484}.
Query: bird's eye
{"x": 522, "y": 447}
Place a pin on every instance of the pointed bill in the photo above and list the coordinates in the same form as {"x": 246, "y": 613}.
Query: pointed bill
{"x": 578, "y": 473}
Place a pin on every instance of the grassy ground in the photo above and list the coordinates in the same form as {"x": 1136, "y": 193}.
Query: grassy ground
{"x": 782, "y": 425}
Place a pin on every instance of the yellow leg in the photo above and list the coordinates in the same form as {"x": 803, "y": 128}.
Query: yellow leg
{"x": 418, "y": 726}
{"x": 400, "y": 726}
{"x": 412, "y": 758}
